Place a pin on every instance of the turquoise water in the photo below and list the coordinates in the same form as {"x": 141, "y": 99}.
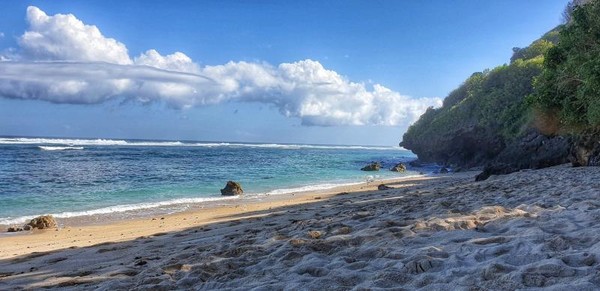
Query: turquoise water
{"x": 77, "y": 177}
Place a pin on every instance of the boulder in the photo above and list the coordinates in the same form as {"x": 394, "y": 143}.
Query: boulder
{"x": 232, "y": 188}
{"x": 400, "y": 167}
{"x": 585, "y": 151}
{"x": 374, "y": 166}
{"x": 42, "y": 222}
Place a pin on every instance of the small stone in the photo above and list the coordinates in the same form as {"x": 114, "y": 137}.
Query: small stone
{"x": 374, "y": 166}
{"x": 314, "y": 234}
{"x": 14, "y": 229}
{"x": 400, "y": 167}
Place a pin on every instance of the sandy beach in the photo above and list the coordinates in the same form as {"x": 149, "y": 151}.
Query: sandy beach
{"x": 528, "y": 229}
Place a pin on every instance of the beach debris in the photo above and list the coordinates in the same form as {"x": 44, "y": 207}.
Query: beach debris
{"x": 232, "y": 188}
{"x": 400, "y": 167}
{"x": 383, "y": 187}
{"x": 373, "y": 166}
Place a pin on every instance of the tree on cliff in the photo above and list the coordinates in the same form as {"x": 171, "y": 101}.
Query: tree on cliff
{"x": 482, "y": 115}
{"x": 570, "y": 81}
{"x": 568, "y": 12}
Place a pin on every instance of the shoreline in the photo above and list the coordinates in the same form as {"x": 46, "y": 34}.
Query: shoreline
{"x": 89, "y": 230}
{"x": 176, "y": 205}
{"x": 529, "y": 229}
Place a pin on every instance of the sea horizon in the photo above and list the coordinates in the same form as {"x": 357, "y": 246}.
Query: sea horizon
{"x": 187, "y": 141}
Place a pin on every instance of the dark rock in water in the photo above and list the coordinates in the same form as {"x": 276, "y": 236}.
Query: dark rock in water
{"x": 14, "y": 229}
{"x": 383, "y": 187}
{"x": 532, "y": 151}
{"x": 375, "y": 166}
{"x": 444, "y": 170}
{"x": 232, "y": 188}
{"x": 586, "y": 151}
{"x": 43, "y": 222}
{"x": 400, "y": 167}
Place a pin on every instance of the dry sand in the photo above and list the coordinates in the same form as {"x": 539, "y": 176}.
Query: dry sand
{"x": 528, "y": 229}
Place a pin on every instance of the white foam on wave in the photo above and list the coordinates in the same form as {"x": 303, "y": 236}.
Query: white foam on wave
{"x": 116, "y": 209}
{"x": 117, "y": 142}
{"x": 55, "y": 148}
{"x": 327, "y": 186}
{"x": 182, "y": 201}
{"x": 318, "y": 187}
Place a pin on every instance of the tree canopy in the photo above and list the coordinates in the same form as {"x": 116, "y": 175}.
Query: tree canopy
{"x": 570, "y": 80}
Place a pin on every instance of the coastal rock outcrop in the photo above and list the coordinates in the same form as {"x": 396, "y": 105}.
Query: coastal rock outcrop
{"x": 532, "y": 151}
{"x": 232, "y": 188}
{"x": 464, "y": 147}
{"x": 400, "y": 167}
{"x": 374, "y": 166}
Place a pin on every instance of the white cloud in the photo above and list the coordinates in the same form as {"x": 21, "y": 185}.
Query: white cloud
{"x": 1, "y": 34}
{"x": 66, "y": 38}
{"x": 62, "y": 60}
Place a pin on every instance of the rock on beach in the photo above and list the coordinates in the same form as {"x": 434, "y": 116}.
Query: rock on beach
{"x": 232, "y": 188}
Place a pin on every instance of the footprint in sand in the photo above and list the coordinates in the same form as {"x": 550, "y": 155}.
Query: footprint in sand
{"x": 422, "y": 264}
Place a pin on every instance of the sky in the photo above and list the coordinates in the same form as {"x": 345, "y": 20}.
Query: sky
{"x": 317, "y": 72}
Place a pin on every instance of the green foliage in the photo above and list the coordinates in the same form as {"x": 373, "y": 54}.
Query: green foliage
{"x": 570, "y": 80}
{"x": 539, "y": 47}
{"x": 493, "y": 99}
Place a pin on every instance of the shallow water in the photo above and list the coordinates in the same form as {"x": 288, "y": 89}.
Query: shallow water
{"x": 74, "y": 177}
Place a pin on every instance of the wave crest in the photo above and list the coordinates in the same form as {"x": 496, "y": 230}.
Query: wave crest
{"x": 119, "y": 142}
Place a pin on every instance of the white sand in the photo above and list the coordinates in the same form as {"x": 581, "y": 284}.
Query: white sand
{"x": 523, "y": 230}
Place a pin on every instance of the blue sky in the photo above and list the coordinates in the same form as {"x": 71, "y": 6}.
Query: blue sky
{"x": 335, "y": 72}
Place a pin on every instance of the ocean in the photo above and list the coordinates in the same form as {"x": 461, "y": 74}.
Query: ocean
{"x": 83, "y": 177}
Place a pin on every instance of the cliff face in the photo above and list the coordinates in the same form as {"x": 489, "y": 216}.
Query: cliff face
{"x": 541, "y": 110}
{"x": 479, "y": 118}
{"x": 467, "y": 147}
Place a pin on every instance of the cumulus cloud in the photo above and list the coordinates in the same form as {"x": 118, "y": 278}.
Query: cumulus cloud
{"x": 66, "y": 38}
{"x": 62, "y": 60}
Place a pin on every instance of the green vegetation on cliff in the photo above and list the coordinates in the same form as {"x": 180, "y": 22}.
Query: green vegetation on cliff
{"x": 488, "y": 109}
{"x": 550, "y": 87}
{"x": 569, "y": 84}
